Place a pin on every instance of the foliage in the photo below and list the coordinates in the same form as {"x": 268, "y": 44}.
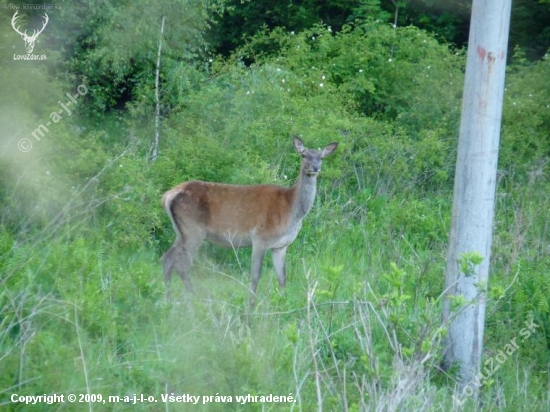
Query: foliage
{"x": 243, "y": 19}
{"x": 358, "y": 328}
{"x": 117, "y": 50}
{"x": 526, "y": 148}
{"x": 377, "y": 69}
{"x": 446, "y": 20}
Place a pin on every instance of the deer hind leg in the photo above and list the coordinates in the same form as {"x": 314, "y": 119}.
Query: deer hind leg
{"x": 278, "y": 256}
{"x": 168, "y": 262}
{"x": 180, "y": 258}
{"x": 258, "y": 253}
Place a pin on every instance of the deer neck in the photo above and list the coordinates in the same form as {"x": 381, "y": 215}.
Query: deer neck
{"x": 305, "y": 189}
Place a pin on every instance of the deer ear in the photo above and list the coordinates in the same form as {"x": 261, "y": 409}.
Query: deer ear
{"x": 329, "y": 149}
{"x": 299, "y": 145}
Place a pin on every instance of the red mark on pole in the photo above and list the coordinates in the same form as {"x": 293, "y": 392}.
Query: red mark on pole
{"x": 481, "y": 52}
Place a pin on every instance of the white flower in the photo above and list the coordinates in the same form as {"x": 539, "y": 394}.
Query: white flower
{"x": 320, "y": 84}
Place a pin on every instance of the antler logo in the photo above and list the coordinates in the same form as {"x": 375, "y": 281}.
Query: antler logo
{"x": 29, "y": 40}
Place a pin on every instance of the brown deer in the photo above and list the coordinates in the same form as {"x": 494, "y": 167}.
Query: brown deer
{"x": 259, "y": 216}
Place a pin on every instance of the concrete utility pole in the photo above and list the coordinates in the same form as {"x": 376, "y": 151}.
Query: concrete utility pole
{"x": 475, "y": 188}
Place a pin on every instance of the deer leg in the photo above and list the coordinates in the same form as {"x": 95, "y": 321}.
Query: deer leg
{"x": 168, "y": 262}
{"x": 278, "y": 256}
{"x": 186, "y": 253}
{"x": 258, "y": 253}
{"x": 180, "y": 258}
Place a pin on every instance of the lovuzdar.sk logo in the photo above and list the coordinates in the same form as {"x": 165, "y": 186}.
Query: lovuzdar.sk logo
{"x": 29, "y": 39}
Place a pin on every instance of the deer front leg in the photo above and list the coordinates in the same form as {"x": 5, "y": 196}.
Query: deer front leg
{"x": 278, "y": 256}
{"x": 258, "y": 253}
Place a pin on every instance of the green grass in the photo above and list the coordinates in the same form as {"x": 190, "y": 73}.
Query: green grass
{"x": 357, "y": 328}
{"x": 82, "y": 308}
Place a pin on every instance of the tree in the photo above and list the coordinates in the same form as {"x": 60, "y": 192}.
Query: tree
{"x": 117, "y": 50}
{"x": 474, "y": 191}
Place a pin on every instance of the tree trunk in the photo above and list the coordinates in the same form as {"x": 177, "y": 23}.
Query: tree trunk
{"x": 156, "y": 142}
{"x": 475, "y": 188}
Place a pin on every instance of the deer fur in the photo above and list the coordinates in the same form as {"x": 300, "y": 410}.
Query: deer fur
{"x": 264, "y": 217}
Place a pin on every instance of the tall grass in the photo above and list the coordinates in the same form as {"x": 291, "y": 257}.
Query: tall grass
{"x": 358, "y": 327}
{"x": 353, "y": 331}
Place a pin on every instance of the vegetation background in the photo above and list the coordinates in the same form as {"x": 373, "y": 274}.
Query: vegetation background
{"x": 359, "y": 328}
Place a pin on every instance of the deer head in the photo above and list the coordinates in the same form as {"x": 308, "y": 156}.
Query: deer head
{"x": 29, "y": 40}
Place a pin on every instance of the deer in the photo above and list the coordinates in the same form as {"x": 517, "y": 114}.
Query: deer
{"x": 29, "y": 40}
{"x": 263, "y": 217}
